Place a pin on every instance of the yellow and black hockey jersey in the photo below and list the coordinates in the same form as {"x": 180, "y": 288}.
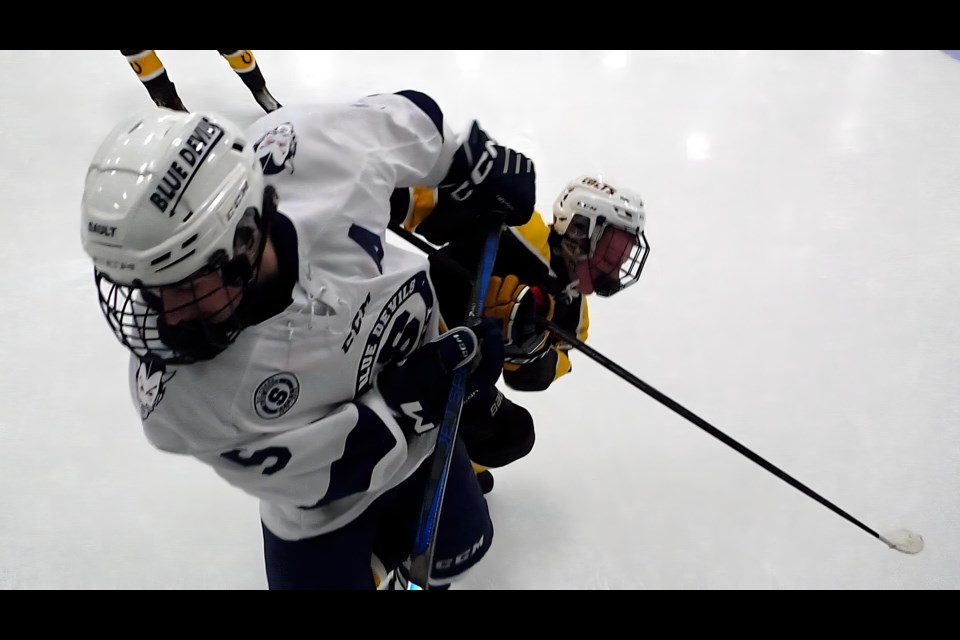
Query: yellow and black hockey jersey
{"x": 526, "y": 251}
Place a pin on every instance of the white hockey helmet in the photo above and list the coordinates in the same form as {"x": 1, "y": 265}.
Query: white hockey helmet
{"x": 602, "y": 234}
{"x": 163, "y": 193}
{"x": 169, "y": 196}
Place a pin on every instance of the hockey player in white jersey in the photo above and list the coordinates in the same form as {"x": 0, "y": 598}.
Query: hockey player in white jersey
{"x": 276, "y": 336}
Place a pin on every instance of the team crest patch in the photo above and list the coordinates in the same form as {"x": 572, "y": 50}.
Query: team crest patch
{"x": 151, "y": 376}
{"x": 276, "y": 395}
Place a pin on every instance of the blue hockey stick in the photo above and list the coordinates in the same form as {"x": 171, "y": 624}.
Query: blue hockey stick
{"x": 421, "y": 561}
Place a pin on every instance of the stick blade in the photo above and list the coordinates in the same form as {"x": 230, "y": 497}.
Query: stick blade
{"x": 904, "y": 540}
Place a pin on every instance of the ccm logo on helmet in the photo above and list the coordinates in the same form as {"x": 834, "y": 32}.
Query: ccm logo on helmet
{"x": 178, "y": 175}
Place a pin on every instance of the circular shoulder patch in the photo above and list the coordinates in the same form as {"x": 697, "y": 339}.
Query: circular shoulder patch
{"x": 276, "y": 395}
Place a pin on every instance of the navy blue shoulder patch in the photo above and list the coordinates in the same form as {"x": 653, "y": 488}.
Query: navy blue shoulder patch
{"x": 427, "y": 105}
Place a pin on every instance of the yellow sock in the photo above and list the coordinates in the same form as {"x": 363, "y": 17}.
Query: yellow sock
{"x": 241, "y": 60}
{"x": 146, "y": 64}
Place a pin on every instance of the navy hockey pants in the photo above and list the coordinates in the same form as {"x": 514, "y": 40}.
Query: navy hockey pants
{"x": 340, "y": 559}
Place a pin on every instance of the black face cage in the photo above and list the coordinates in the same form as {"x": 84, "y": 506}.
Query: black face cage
{"x": 578, "y": 244}
{"x": 136, "y": 316}
{"x": 629, "y": 271}
{"x": 136, "y": 313}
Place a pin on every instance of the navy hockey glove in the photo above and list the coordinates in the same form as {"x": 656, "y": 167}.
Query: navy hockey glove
{"x": 418, "y": 386}
{"x": 489, "y": 178}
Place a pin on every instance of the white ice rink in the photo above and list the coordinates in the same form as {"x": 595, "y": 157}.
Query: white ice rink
{"x": 802, "y": 295}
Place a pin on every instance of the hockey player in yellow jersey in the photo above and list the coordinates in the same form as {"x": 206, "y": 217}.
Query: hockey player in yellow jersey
{"x": 594, "y": 244}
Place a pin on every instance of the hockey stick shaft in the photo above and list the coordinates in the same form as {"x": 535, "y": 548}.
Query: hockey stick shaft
{"x": 910, "y": 545}
{"x": 421, "y": 562}
{"x": 676, "y": 407}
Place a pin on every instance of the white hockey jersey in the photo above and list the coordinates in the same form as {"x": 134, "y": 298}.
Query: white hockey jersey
{"x": 290, "y": 413}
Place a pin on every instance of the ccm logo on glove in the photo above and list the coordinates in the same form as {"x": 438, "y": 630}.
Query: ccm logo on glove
{"x": 491, "y": 178}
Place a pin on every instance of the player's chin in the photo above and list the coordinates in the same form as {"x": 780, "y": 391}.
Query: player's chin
{"x": 220, "y": 318}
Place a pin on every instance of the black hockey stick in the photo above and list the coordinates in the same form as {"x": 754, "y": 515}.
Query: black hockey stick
{"x": 421, "y": 561}
{"x": 902, "y": 540}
